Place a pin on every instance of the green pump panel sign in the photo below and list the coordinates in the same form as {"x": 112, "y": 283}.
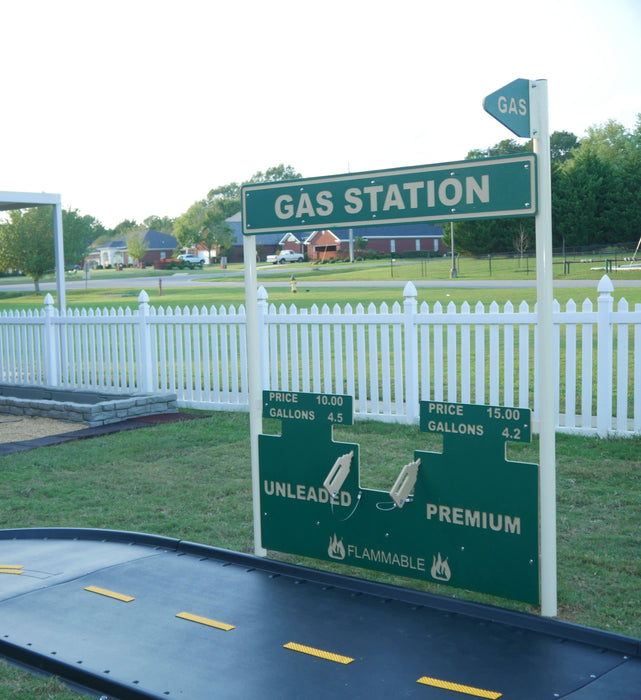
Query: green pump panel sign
{"x": 466, "y": 517}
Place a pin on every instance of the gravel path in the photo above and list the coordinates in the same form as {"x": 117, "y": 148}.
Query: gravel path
{"x": 21, "y": 428}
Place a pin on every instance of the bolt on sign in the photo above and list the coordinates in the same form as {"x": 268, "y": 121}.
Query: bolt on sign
{"x": 466, "y": 517}
{"x": 470, "y": 189}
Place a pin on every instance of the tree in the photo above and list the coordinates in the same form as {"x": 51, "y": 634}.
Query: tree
{"x": 636, "y": 134}
{"x": 502, "y": 148}
{"x": 563, "y": 144}
{"x": 521, "y": 242}
{"x": 277, "y": 173}
{"x": 596, "y": 194}
{"x": 620, "y": 149}
{"x": 27, "y": 243}
{"x": 627, "y": 198}
{"x": 79, "y": 232}
{"x": 189, "y": 227}
{"x": 610, "y": 141}
{"x": 123, "y": 228}
{"x": 164, "y": 224}
{"x": 219, "y": 235}
{"x": 228, "y": 196}
{"x": 136, "y": 245}
{"x": 483, "y": 236}
{"x": 27, "y": 240}
{"x": 583, "y": 202}
{"x": 360, "y": 244}
{"x": 205, "y": 221}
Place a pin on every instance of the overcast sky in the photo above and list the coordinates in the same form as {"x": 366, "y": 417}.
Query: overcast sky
{"x": 133, "y": 108}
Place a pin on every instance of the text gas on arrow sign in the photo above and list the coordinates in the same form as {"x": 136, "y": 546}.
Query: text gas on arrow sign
{"x": 511, "y": 106}
{"x": 470, "y": 189}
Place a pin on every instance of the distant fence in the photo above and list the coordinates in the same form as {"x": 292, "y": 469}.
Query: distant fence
{"x": 387, "y": 358}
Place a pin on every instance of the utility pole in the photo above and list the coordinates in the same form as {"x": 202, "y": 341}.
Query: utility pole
{"x": 453, "y": 272}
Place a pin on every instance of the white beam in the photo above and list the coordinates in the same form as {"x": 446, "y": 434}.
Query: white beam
{"x": 26, "y": 200}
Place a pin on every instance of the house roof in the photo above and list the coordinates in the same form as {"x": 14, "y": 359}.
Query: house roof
{"x": 236, "y": 224}
{"x": 398, "y": 231}
{"x": 155, "y": 240}
{"x": 287, "y": 238}
{"x": 319, "y": 232}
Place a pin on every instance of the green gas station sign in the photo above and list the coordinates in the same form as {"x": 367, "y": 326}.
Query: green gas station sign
{"x": 466, "y": 517}
{"x": 469, "y": 189}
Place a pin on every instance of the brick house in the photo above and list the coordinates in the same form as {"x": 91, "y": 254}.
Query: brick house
{"x": 160, "y": 246}
{"x": 334, "y": 243}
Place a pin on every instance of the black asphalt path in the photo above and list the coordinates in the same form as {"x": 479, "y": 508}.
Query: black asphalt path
{"x": 136, "y": 616}
{"x": 128, "y": 615}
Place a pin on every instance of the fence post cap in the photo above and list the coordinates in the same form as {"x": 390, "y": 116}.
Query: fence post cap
{"x": 262, "y": 293}
{"x": 143, "y": 297}
{"x": 48, "y": 300}
{"x": 410, "y": 290}
{"x": 605, "y": 285}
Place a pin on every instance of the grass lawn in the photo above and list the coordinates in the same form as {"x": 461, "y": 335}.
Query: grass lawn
{"x": 191, "y": 480}
{"x": 211, "y": 287}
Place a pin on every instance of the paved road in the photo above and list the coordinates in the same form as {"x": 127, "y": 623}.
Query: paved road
{"x": 235, "y": 279}
{"x": 140, "y": 617}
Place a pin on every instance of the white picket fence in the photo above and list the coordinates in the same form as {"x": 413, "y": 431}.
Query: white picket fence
{"x": 388, "y": 359}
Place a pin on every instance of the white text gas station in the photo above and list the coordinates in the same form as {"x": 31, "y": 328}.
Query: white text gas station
{"x": 417, "y": 195}
{"x": 510, "y": 105}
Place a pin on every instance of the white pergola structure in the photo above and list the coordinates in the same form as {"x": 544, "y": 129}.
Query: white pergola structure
{"x": 25, "y": 200}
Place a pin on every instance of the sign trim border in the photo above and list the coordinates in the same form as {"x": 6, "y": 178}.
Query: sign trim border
{"x": 391, "y": 172}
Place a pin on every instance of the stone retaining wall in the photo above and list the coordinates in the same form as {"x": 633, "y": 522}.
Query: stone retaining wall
{"x": 93, "y": 410}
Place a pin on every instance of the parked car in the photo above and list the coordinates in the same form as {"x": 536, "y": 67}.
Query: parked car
{"x": 285, "y": 256}
{"x": 192, "y": 259}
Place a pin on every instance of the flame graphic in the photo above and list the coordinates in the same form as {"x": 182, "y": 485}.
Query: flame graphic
{"x": 440, "y": 569}
{"x": 336, "y": 549}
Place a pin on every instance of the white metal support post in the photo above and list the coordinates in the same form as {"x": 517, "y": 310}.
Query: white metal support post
{"x": 60, "y": 255}
{"x": 253, "y": 374}
{"x": 545, "y": 325}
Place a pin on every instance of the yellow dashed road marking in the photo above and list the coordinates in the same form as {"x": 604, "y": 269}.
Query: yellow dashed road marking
{"x": 110, "y": 594}
{"x": 11, "y": 569}
{"x": 446, "y": 685}
{"x": 319, "y": 653}
{"x": 206, "y": 621}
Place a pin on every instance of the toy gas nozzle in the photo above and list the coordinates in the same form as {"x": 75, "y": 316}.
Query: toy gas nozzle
{"x": 338, "y": 473}
{"x": 405, "y": 483}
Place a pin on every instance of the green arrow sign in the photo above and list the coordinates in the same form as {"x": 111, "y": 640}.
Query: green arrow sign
{"x": 511, "y": 106}
{"x": 470, "y": 189}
